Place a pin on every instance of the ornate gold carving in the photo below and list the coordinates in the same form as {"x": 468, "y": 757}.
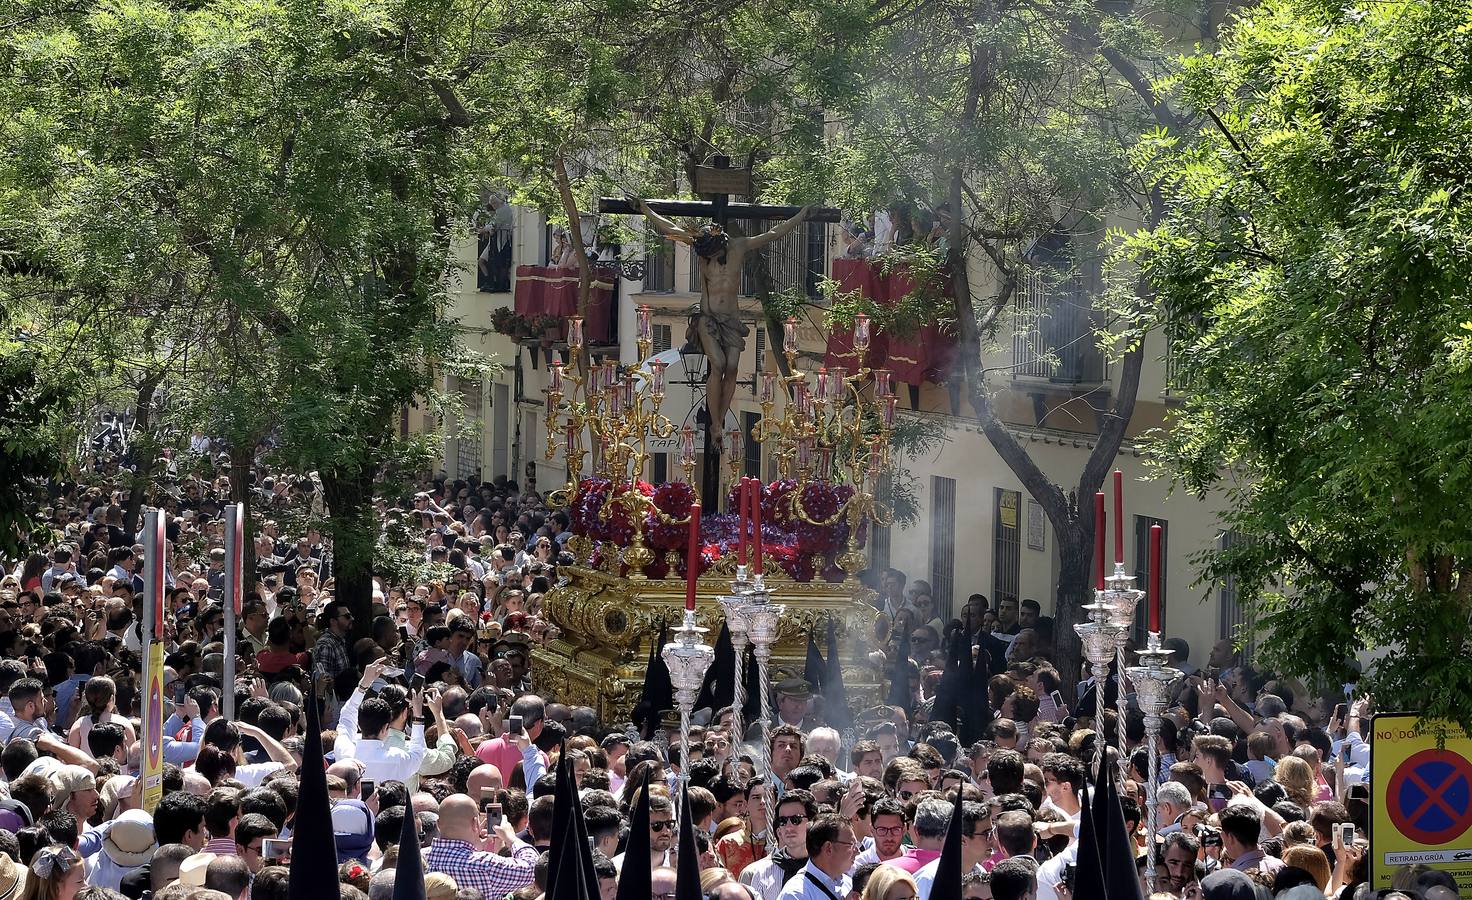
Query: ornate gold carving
{"x": 607, "y": 623}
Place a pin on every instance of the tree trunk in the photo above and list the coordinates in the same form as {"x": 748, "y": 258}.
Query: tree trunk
{"x": 1075, "y": 553}
{"x": 349, "y": 496}
{"x": 147, "y": 453}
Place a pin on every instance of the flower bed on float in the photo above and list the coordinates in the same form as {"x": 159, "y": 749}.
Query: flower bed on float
{"x": 802, "y": 534}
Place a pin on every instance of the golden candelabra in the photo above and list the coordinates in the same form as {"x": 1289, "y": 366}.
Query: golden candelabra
{"x": 619, "y": 415}
{"x": 834, "y": 430}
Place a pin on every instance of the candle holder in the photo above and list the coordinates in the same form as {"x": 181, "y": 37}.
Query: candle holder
{"x": 734, "y": 605}
{"x": 1101, "y": 639}
{"x": 835, "y": 429}
{"x": 620, "y": 411}
{"x": 1122, "y": 599}
{"x": 762, "y": 620}
{"x": 1154, "y": 680}
{"x": 688, "y": 657}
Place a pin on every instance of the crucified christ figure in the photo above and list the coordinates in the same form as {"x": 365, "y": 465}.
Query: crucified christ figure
{"x": 718, "y": 325}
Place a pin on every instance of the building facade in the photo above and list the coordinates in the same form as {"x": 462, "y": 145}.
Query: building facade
{"x": 975, "y": 529}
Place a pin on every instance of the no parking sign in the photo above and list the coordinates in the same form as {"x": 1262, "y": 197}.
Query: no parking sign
{"x": 1420, "y": 801}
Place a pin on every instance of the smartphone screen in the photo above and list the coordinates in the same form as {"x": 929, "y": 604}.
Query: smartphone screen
{"x": 275, "y": 848}
{"x": 493, "y": 816}
{"x": 513, "y": 724}
{"x": 368, "y": 787}
{"x": 487, "y": 798}
{"x": 1057, "y": 699}
{"x": 416, "y": 683}
{"x": 1340, "y": 711}
{"x": 1218, "y": 796}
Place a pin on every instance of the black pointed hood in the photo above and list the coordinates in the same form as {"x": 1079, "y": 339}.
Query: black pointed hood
{"x": 409, "y": 872}
{"x": 687, "y": 862}
{"x": 313, "y": 848}
{"x": 634, "y": 881}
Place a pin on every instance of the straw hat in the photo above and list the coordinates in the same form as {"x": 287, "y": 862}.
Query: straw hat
{"x": 130, "y": 841}
{"x": 12, "y": 878}
{"x": 192, "y": 869}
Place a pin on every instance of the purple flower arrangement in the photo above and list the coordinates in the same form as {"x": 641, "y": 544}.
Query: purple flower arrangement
{"x": 801, "y": 549}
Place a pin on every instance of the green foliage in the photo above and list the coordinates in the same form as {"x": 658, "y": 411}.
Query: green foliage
{"x": 1313, "y": 273}
{"x": 34, "y": 404}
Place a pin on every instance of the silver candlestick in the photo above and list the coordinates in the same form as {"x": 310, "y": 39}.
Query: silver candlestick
{"x": 762, "y": 621}
{"x": 688, "y": 657}
{"x": 735, "y": 604}
{"x": 1155, "y": 682}
{"x": 1120, "y": 594}
{"x": 1101, "y": 639}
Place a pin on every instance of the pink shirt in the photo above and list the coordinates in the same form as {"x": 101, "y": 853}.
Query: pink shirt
{"x": 503, "y": 754}
{"x": 914, "y": 859}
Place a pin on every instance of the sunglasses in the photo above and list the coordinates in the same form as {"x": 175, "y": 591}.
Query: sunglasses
{"x": 666, "y": 825}
{"x": 790, "y": 820}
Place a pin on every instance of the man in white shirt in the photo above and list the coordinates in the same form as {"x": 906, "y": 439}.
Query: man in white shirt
{"x": 977, "y": 843}
{"x": 375, "y": 717}
{"x": 830, "y": 843}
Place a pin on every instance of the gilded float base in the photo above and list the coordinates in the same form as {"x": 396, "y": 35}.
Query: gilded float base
{"x": 608, "y": 622}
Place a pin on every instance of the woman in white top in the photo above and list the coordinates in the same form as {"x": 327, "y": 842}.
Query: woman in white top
{"x": 99, "y": 697}
{"x": 221, "y": 755}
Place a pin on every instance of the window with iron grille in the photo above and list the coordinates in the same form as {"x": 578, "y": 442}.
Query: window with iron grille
{"x": 759, "y": 342}
{"x": 1232, "y": 616}
{"x": 796, "y": 262}
{"x": 469, "y": 440}
{"x": 878, "y": 546}
{"x": 942, "y": 539}
{"x": 659, "y": 262}
{"x": 1142, "y": 572}
{"x": 1007, "y": 546}
{"x": 662, "y": 337}
{"x": 751, "y": 463}
{"x": 1054, "y": 320}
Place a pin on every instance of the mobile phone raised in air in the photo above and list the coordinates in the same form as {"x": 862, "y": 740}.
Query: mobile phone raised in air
{"x": 416, "y": 684}
{"x": 275, "y": 848}
{"x": 367, "y": 788}
{"x": 513, "y": 724}
{"x": 1218, "y": 796}
{"x": 493, "y": 816}
{"x": 1346, "y": 834}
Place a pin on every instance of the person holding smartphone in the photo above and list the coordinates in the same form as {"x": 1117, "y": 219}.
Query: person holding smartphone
{"x": 514, "y": 744}
{"x": 374, "y": 717}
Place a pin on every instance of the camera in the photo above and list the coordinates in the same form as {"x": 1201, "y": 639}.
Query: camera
{"x": 1210, "y": 837}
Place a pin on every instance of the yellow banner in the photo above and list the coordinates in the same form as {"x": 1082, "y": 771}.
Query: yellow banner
{"x": 153, "y": 727}
{"x": 1420, "y": 801}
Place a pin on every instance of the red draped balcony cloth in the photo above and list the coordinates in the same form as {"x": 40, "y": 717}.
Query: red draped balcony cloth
{"x": 547, "y": 290}
{"x": 926, "y": 355}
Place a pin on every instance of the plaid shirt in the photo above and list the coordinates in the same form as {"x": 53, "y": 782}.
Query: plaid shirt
{"x": 494, "y": 876}
{"x": 330, "y": 656}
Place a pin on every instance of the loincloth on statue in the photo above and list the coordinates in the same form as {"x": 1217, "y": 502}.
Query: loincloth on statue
{"x": 728, "y": 331}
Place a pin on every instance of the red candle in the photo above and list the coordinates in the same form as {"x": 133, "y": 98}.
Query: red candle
{"x": 743, "y": 504}
{"x": 692, "y": 561}
{"x": 1099, "y": 541}
{"x": 1155, "y": 533}
{"x": 1118, "y": 516}
{"x": 756, "y": 526}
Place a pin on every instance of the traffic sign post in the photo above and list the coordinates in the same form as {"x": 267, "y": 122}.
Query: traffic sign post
{"x": 1420, "y": 800}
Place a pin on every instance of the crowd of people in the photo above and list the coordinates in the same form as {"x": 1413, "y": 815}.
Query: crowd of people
{"x": 433, "y": 712}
